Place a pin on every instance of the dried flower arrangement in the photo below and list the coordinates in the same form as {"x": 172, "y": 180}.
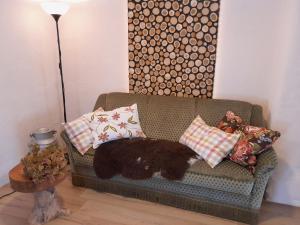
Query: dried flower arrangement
{"x": 42, "y": 165}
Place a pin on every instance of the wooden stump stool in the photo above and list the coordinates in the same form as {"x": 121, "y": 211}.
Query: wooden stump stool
{"x": 47, "y": 205}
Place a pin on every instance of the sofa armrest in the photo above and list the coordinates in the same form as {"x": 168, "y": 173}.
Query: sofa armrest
{"x": 65, "y": 137}
{"x": 266, "y": 162}
{"x": 70, "y": 148}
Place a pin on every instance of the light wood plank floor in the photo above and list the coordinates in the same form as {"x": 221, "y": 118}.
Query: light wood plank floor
{"x": 93, "y": 208}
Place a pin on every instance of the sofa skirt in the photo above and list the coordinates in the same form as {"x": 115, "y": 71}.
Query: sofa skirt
{"x": 245, "y": 215}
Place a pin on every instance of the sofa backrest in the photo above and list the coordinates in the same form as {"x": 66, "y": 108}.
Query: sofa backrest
{"x": 167, "y": 117}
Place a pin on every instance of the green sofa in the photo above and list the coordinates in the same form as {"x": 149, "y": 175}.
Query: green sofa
{"x": 227, "y": 191}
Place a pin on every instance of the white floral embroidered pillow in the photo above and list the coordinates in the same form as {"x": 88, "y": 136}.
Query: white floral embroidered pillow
{"x": 116, "y": 124}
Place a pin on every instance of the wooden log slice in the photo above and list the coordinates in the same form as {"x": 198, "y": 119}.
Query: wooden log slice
{"x": 172, "y": 29}
{"x": 189, "y": 30}
{"x": 141, "y": 17}
{"x": 193, "y": 12}
{"x": 159, "y": 19}
{"x": 214, "y": 7}
{"x": 194, "y": 3}
{"x": 171, "y": 13}
{"x": 170, "y": 38}
{"x": 211, "y": 48}
{"x": 173, "y": 20}
{"x": 138, "y": 7}
{"x": 205, "y": 28}
{"x": 155, "y": 11}
{"x": 208, "y": 38}
{"x": 164, "y": 12}
{"x": 197, "y": 27}
{"x": 175, "y": 5}
{"x": 131, "y": 5}
{"x": 183, "y": 33}
{"x": 144, "y": 5}
{"x": 150, "y": 4}
{"x": 185, "y": 2}
{"x": 162, "y": 72}
{"x": 189, "y": 19}
{"x": 167, "y": 19}
{"x": 214, "y": 17}
{"x": 195, "y": 70}
{"x": 181, "y": 18}
{"x": 168, "y": 5}
{"x": 186, "y": 10}
{"x": 204, "y": 20}
{"x": 206, "y": 62}
{"x": 212, "y": 57}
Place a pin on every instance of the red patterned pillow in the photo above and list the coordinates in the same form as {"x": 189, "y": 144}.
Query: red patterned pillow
{"x": 253, "y": 141}
{"x": 262, "y": 138}
{"x": 230, "y": 122}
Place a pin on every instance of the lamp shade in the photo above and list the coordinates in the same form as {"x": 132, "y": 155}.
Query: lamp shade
{"x": 55, "y": 7}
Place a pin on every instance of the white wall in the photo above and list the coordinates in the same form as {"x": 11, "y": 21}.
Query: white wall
{"x": 286, "y": 181}
{"x": 258, "y": 61}
{"x": 29, "y": 85}
{"x": 250, "y": 49}
{"x": 95, "y": 51}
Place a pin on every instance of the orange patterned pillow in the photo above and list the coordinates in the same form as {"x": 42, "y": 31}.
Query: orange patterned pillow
{"x": 253, "y": 140}
{"x": 230, "y": 122}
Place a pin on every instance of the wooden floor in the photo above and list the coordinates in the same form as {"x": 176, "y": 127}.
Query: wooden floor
{"x": 93, "y": 208}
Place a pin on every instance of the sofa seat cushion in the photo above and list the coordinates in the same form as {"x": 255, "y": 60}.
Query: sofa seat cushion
{"x": 227, "y": 176}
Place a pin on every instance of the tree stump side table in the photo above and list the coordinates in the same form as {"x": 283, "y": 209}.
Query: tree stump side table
{"x": 46, "y": 203}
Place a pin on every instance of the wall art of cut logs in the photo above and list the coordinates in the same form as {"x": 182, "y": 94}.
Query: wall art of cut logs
{"x": 172, "y": 47}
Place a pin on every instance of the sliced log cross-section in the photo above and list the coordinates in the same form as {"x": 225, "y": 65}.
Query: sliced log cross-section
{"x": 19, "y": 182}
{"x": 172, "y": 47}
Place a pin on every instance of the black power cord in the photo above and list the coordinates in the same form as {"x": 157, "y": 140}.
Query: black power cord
{"x": 3, "y": 196}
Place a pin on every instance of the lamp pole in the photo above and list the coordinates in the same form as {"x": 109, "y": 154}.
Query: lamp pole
{"x": 56, "y": 9}
{"x": 56, "y": 18}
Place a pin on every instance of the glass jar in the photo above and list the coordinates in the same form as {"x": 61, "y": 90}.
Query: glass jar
{"x": 43, "y": 137}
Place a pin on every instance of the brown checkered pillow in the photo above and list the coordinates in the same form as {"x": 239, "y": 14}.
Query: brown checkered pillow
{"x": 80, "y": 133}
{"x": 211, "y": 143}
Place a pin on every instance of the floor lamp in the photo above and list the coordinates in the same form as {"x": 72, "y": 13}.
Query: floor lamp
{"x": 56, "y": 9}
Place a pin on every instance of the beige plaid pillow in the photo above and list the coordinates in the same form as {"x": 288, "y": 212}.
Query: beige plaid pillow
{"x": 211, "y": 143}
{"x": 80, "y": 133}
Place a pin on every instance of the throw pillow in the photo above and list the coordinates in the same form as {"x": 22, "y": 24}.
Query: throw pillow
{"x": 230, "y": 122}
{"x": 253, "y": 141}
{"x": 211, "y": 143}
{"x": 116, "y": 124}
{"x": 79, "y": 131}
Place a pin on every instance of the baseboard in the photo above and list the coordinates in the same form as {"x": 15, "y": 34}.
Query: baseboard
{"x": 3, "y": 181}
{"x": 291, "y": 202}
